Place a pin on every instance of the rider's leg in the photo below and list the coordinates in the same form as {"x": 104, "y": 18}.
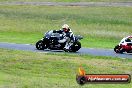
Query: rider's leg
{"x": 67, "y": 44}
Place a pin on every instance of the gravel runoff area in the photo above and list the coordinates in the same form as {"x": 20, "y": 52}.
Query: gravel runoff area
{"x": 127, "y": 4}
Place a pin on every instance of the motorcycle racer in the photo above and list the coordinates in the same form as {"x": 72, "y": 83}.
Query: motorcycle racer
{"x": 125, "y": 45}
{"x": 67, "y": 35}
{"x": 126, "y": 40}
{"x": 62, "y": 39}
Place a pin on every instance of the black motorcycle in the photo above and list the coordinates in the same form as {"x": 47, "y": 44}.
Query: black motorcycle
{"x": 50, "y": 41}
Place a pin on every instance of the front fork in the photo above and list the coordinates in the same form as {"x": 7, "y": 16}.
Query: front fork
{"x": 45, "y": 41}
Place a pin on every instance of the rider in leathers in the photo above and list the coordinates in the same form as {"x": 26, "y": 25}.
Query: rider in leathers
{"x": 67, "y": 35}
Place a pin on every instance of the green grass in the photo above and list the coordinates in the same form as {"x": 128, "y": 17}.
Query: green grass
{"x": 102, "y": 27}
{"x": 70, "y": 0}
{"x": 21, "y": 69}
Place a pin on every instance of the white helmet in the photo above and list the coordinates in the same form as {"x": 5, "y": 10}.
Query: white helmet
{"x": 65, "y": 26}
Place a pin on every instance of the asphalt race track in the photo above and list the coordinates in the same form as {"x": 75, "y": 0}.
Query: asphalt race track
{"x": 87, "y": 51}
{"x": 116, "y": 4}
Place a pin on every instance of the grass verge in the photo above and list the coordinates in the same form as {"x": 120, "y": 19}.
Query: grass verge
{"x": 21, "y": 69}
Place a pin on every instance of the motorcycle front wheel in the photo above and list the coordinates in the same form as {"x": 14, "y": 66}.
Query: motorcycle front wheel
{"x": 76, "y": 46}
{"x": 40, "y": 45}
{"x": 118, "y": 49}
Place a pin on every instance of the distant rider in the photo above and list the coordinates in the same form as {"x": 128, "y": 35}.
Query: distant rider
{"x": 67, "y": 35}
{"x": 126, "y": 40}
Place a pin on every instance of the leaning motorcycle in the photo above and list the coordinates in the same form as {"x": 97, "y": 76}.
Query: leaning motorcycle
{"x": 50, "y": 41}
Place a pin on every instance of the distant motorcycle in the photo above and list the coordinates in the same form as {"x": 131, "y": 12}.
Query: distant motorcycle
{"x": 125, "y": 45}
{"x": 50, "y": 41}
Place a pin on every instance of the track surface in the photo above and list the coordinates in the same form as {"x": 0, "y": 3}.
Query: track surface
{"x": 128, "y": 4}
{"x": 88, "y": 51}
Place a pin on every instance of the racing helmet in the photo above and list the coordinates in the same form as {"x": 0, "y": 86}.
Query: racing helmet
{"x": 128, "y": 40}
{"x": 65, "y": 27}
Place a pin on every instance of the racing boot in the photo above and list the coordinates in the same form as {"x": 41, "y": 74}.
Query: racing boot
{"x": 66, "y": 48}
